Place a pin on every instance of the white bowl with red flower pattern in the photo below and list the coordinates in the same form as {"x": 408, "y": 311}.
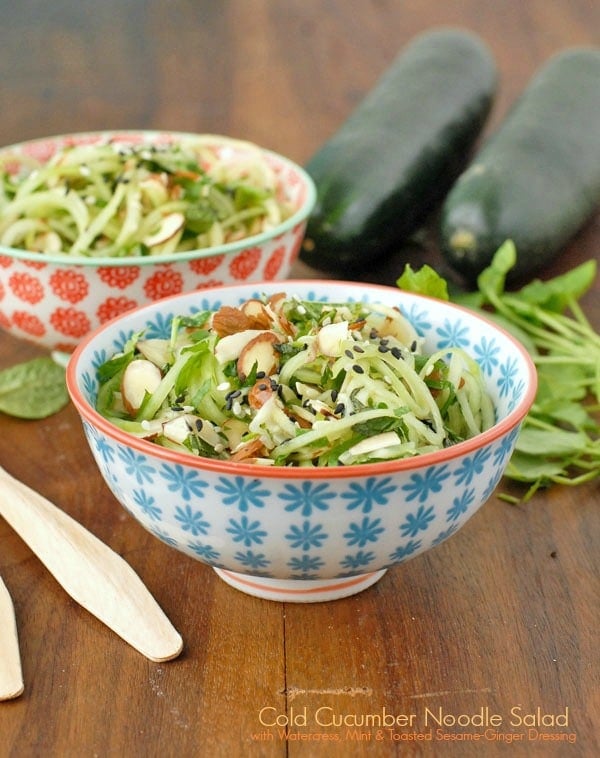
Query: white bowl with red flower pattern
{"x": 55, "y": 299}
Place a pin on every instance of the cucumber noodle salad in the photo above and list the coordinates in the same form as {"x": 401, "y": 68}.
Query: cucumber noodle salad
{"x": 290, "y": 382}
{"x": 115, "y": 199}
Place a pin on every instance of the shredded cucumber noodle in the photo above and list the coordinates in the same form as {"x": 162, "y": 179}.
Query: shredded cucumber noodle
{"x": 289, "y": 382}
{"x": 113, "y": 199}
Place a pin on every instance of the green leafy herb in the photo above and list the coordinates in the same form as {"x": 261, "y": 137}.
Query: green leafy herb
{"x": 560, "y": 438}
{"x": 34, "y": 389}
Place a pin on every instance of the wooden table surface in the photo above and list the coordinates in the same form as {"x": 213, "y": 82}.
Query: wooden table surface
{"x": 501, "y": 619}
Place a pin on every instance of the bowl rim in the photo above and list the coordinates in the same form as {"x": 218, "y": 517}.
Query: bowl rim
{"x": 229, "y": 248}
{"x": 234, "y": 468}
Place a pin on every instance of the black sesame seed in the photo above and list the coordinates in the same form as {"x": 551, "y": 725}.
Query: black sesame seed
{"x": 396, "y": 352}
{"x": 373, "y": 334}
{"x": 358, "y": 349}
{"x": 349, "y": 353}
{"x": 358, "y": 369}
{"x": 383, "y": 349}
{"x": 334, "y": 394}
{"x": 260, "y": 374}
{"x": 199, "y": 424}
{"x": 339, "y": 408}
{"x": 413, "y": 346}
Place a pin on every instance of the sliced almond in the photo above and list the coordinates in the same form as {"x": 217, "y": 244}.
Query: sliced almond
{"x": 229, "y": 320}
{"x": 250, "y": 450}
{"x": 140, "y": 377}
{"x": 169, "y": 227}
{"x": 259, "y": 393}
{"x": 256, "y": 311}
{"x": 259, "y": 352}
{"x": 156, "y": 350}
{"x": 331, "y": 338}
{"x": 177, "y": 429}
{"x": 230, "y": 347}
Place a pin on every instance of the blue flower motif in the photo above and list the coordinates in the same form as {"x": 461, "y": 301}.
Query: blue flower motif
{"x": 252, "y": 560}
{"x": 358, "y": 560}
{"x": 305, "y": 566}
{"x": 366, "y": 531}
{"x": 241, "y": 493}
{"x": 403, "y": 552}
{"x": 491, "y": 485}
{"x": 460, "y": 504}
{"x": 306, "y": 536}
{"x": 453, "y": 334}
{"x": 418, "y": 318}
{"x": 90, "y": 386}
{"x": 485, "y": 354}
{"x": 517, "y": 394}
{"x": 504, "y": 449}
{"x": 417, "y": 522}
{"x": 306, "y": 497}
{"x": 246, "y": 531}
{"x": 99, "y": 442}
{"x": 120, "y": 341}
{"x": 147, "y": 504}
{"x": 99, "y": 357}
{"x": 445, "y": 534}
{"x": 421, "y": 486}
{"x": 164, "y": 537}
{"x": 161, "y": 328}
{"x": 373, "y": 492}
{"x": 136, "y": 465}
{"x": 191, "y": 521}
{"x": 186, "y": 483}
{"x": 204, "y": 552}
{"x": 506, "y": 380}
{"x": 472, "y": 465}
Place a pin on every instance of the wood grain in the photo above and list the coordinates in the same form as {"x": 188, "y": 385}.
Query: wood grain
{"x": 504, "y": 615}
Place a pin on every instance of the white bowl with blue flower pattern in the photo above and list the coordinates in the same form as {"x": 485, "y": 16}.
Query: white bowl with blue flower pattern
{"x": 297, "y": 534}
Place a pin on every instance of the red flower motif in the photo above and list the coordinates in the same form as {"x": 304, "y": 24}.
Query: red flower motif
{"x": 6, "y": 261}
{"x": 28, "y": 323}
{"x": 209, "y": 284}
{"x": 69, "y": 285}
{"x": 275, "y": 262}
{"x": 70, "y": 321}
{"x": 2, "y": 291}
{"x": 41, "y": 150}
{"x": 245, "y": 263}
{"x": 163, "y": 283}
{"x": 26, "y": 288}
{"x": 118, "y": 276}
{"x": 35, "y": 264}
{"x": 206, "y": 265}
{"x": 114, "y": 306}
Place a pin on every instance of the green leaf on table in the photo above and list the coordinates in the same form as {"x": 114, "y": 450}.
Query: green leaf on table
{"x": 551, "y": 443}
{"x": 34, "y": 389}
{"x": 557, "y": 293}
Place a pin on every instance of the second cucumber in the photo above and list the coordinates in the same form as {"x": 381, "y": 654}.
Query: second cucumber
{"x": 398, "y": 153}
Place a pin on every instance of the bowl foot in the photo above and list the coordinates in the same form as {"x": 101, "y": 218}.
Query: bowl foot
{"x": 299, "y": 590}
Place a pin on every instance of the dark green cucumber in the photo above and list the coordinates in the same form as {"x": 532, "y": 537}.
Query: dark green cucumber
{"x": 537, "y": 179}
{"x": 397, "y": 154}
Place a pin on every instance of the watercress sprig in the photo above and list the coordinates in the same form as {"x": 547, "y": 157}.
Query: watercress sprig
{"x": 560, "y": 438}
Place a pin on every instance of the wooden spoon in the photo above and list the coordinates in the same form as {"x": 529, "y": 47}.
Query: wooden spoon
{"x": 11, "y": 676}
{"x": 93, "y": 574}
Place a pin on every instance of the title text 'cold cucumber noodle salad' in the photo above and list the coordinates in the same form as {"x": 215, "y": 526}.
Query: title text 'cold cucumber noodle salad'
{"x": 113, "y": 199}
{"x": 288, "y": 382}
